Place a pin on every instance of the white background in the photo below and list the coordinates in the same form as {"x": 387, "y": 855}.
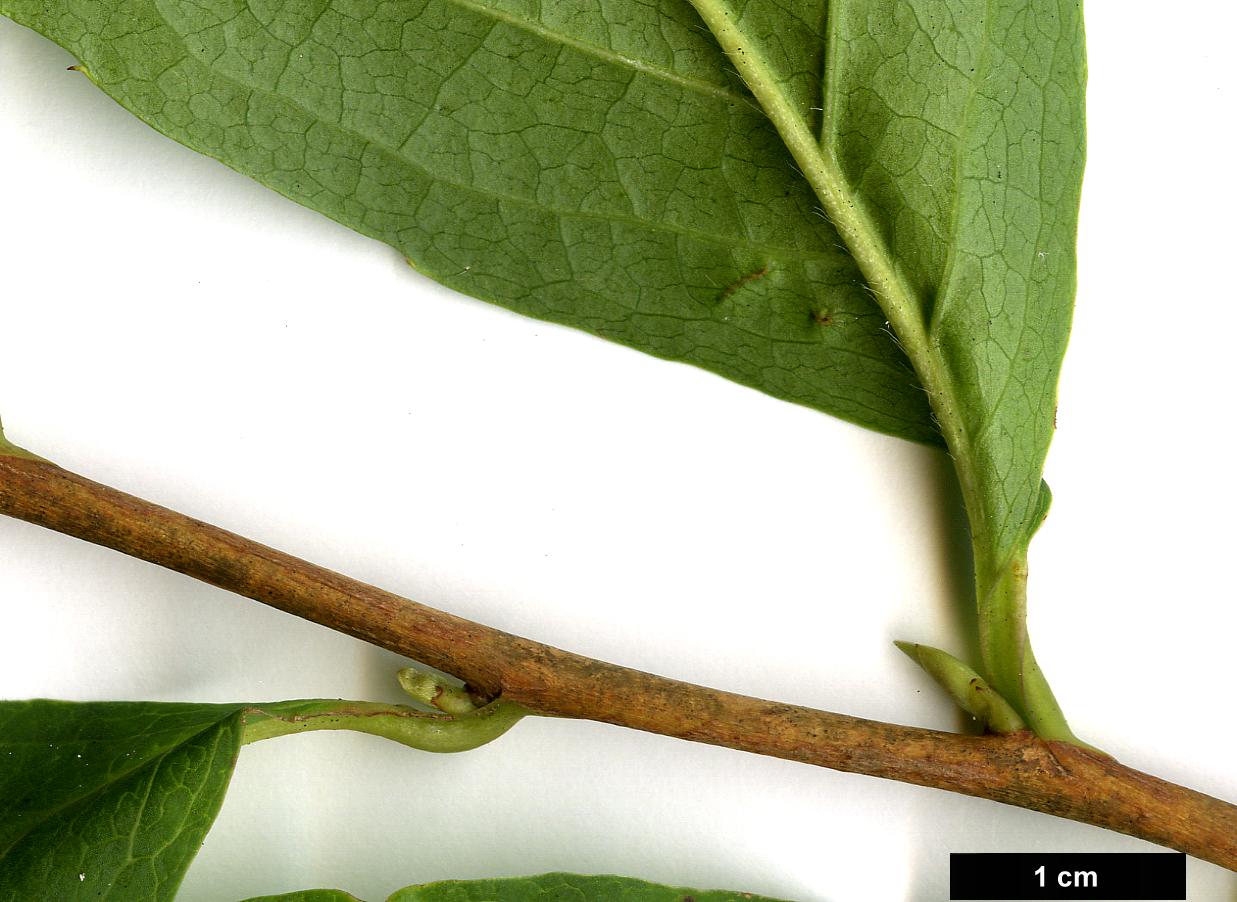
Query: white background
{"x": 175, "y": 330}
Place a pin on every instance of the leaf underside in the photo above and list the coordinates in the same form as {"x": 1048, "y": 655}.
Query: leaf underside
{"x": 597, "y": 165}
{"x": 960, "y": 124}
{"x": 542, "y": 888}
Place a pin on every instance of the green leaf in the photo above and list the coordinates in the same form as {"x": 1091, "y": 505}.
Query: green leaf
{"x": 905, "y": 164}
{"x": 545, "y": 888}
{"x": 949, "y": 156}
{"x": 564, "y": 887}
{"x": 309, "y": 895}
{"x": 609, "y": 175}
{"x": 109, "y": 800}
{"x": 960, "y": 126}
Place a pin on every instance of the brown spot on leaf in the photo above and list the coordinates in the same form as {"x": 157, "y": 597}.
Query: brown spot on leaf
{"x": 744, "y": 280}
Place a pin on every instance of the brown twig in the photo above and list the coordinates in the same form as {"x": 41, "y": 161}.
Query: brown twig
{"x": 1017, "y": 769}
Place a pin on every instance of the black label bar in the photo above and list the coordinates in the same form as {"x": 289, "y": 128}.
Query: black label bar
{"x": 1100, "y": 875}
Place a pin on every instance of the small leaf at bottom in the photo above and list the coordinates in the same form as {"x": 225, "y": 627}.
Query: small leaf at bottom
{"x": 543, "y": 888}
{"x": 108, "y": 800}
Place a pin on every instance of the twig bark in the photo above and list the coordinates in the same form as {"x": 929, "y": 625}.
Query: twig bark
{"x": 1017, "y": 769}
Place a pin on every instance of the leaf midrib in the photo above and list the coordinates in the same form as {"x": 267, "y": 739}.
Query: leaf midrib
{"x": 855, "y": 226}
